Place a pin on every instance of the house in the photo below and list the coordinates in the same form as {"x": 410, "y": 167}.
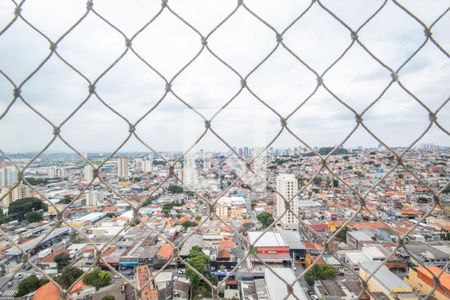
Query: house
{"x": 48, "y": 291}
{"x": 356, "y": 239}
{"x": 385, "y": 282}
{"x": 81, "y": 291}
{"x": 422, "y": 281}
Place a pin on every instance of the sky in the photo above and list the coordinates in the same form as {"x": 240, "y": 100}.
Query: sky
{"x": 132, "y": 88}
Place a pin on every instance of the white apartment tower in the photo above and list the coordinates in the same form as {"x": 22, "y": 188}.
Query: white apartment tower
{"x": 94, "y": 198}
{"x": 122, "y": 167}
{"x": 287, "y": 185}
{"x": 147, "y": 166}
{"x": 10, "y": 194}
{"x": 8, "y": 176}
{"x": 88, "y": 173}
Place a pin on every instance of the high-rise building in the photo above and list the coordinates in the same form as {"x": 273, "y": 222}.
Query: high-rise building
{"x": 10, "y": 194}
{"x": 54, "y": 172}
{"x": 94, "y": 198}
{"x": 122, "y": 167}
{"x": 287, "y": 185}
{"x": 8, "y": 176}
{"x": 222, "y": 211}
{"x": 88, "y": 173}
{"x": 147, "y": 166}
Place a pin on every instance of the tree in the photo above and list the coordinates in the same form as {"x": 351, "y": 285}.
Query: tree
{"x": 69, "y": 276}
{"x": 3, "y": 219}
{"x": 19, "y": 208}
{"x": 34, "y": 216}
{"x": 321, "y": 272}
{"x": 108, "y": 297}
{"x": 187, "y": 224}
{"x": 317, "y": 180}
{"x": 175, "y": 189}
{"x": 165, "y": 211}
{"x": 29, "y": 284}
{"x": 97, "y": 278}
{"x": 62, "y": 260}
{"x": 342, "y": 235}
{"x": 198, "y": 260}
{"x": 265, "y": 218}
{"x": 65, "y": 200}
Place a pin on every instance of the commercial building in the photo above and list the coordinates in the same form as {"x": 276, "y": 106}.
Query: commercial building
{"x": 122, "y": 167}
{"x": 277, "y": 288}
{"x": 287, "y": 186}
{"x": 270, "y": 247}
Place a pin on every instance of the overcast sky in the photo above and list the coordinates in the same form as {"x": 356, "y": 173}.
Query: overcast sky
{"x": 132, "y": 88}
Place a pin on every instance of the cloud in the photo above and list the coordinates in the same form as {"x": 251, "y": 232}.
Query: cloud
{"x": 167, "y": 44}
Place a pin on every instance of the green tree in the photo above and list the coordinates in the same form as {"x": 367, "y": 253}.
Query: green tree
{"x": 317, "y": 180}
{"x": 342, "y": 235}
{"x": 321, "y": 272}
{"x": 165, "y": 211}
{"x": 62, "y": 260}
{"x": 175, "y": 189}
{"x": 97, "y": 278}
{"x": 29, "y": 284}
{"x": 108, "y": 297}
{"x": 134, "y": 222}
{"x": 19, "y": 208}
{"x": 34, "y": 216}
{"x": 265, "y": 218}
{"x": 69, "y": 276}
{"x": 187, "y": 224}
{"x": 3, "y": 219}
{"x": 65, "y": 200}
{"x": 199, "y": 261}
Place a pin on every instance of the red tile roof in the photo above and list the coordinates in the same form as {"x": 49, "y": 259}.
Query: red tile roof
{"x": 48, "y": 291}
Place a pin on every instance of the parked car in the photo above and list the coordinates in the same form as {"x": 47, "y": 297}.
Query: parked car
{"x": 314, "y": 297}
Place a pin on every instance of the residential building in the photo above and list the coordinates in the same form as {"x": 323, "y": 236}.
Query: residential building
{"x": 88, "y": 173}
{"x": 147, "y": 166}
{"x": 357, "y": 239}
{"x": 8, "y": 176}
{"x": 422, "y": 281}
{"x": 122, "y": 167}
{"x": 287, "y": 186}
{"x": 54, "y": 172}
{"x": 12, "y": 194}
{"x": 94, "y": 198}
{"x": 222, "y": 211}
{"x": 386, "y": 282}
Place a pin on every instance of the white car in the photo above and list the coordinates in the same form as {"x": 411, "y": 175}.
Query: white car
{"x": 314, "y": 297}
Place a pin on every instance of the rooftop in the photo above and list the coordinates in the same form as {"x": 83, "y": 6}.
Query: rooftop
{"x": 269, "y": 239}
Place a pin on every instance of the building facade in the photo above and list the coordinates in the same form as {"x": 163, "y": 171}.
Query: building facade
{"x": 122, "y": 167}
{"x": 287, "y": 186}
